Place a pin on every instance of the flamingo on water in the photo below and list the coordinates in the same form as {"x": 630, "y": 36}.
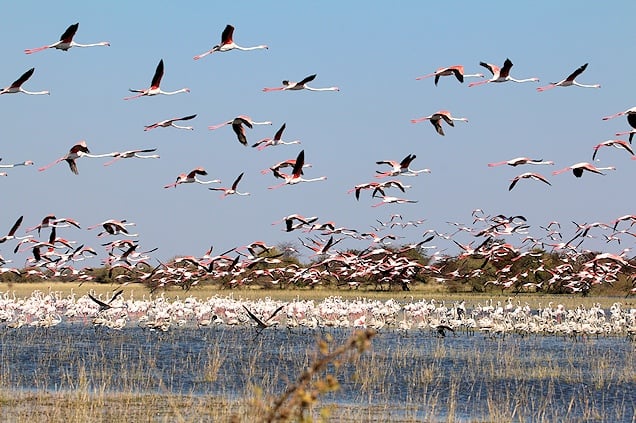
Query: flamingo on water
{"x": 16, "y": 86}
{"x": 233, "y": 189}
{"x": 170, "y": 122}
{"x": 132, "y": 154}
{"x": 266, "y": 142}
{"x": 528, "y": 175}
{"x": 436, "y": 120}
{"x": 227, "y": 44}
{"x": 154, "y": 86}
{"x": 521, "y": 161}
{"x": 66, "y": 42}
{"x": 301, "y": 85}
{"x": 296, "y": 176}
{"x": 500, "y": 74}
{"x": 569, "y": 81}
{"x": 457, "y": 70}
{"x": 578, "y": 169}
{"x": 191, "y": 177}
{"x": 613, "y": 143}
{"x": 77, "y": 151}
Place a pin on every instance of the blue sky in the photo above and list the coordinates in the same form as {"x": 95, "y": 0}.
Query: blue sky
{"x": 373, "y": 52}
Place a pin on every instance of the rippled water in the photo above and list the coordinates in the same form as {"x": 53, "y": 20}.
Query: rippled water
{"x": 419, "y": 375}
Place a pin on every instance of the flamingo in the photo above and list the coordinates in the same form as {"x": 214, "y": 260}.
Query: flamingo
{"x": 227, "y": 44}
{"x": 66, "y": 42}
{"x": 232, "y": 190}
{"x": 436, "y": 120}
{"x": 154, "y": 86}
{"x": 528, "y": 175}
{"x": 393, "y": 200}
{"x": 578, "y": 169}
{"x": 266, "y": 142}
{"x": 631, "y": 120}
{"x": 630, "y": 133}
{"x": 400, "y": 168}
{"x": 51, "y": 221}
{"x": 243, "y": 118}
{"x": 170, "y": 122}
{"x": 500, "y": 74}
{"x": 521, "y": 161}
{"x": 16, "y": 86}
{"x": 8, "y": 166}
{"x": 296, "y": 86}
{"x": 296, "y": 176}
{"x": 457, "y": 70}
{"x": 77, "y": 151}
{"x": 132, "y": 153}
{"x": 12, "y": 231}
{"x": 569, "y": 81}
{"x": 113, "y": 227}
{"x": 239, "y": 130}
{"x": 280, "y": 165}
{"x": 613, "y": 143}
{"x": 191, "y": 177}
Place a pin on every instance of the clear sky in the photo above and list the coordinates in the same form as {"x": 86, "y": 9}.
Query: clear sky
{"x": 373, "y": 51}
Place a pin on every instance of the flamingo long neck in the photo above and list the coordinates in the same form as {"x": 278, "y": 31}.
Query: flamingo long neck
{"x": 22, "y": 90}
{"x": 101, "y": 43}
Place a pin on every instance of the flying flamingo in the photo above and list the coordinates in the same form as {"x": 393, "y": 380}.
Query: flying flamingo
{"x": 130, "y": 154}
{"x": 280, "y": 165}
{"x": 578, "y": 169}
{"x": 12, "y": 231}
{"x": 77, "y": 151}
{"x": 232, "y": 190}
{"x": 239, "y": 130}
{"x": 66, "y": 41}
{"x": 296, "y": 175}
{"x": 243, "y": 118}
{"x": 630, "y": 133}
{"x": 528, "y": 175}
{"x": 456, "y": 70}
{"x": 569, "y": 81}
{"x": 296, "y": 86}
{"x": 400, "y": 168}
{"x": 631, "y": 119}
{"x": 191, "y": 177}
{"x": 500, "y": 74}
{"x": 16, "y": 86}
{"x": 393, "y": 200}
{"x": 170, "y": 122}
{"x": 51, "y": 221}
{"x": 613, "y": 143}
{"x": 436, "y": 120}
{"x": 227, "y": 44}
{"x": 266, "y": 142}
{"x": 8, "y": 166}
{"x": 154, "y": 86}
{"x": 521, "y": 161}
{"x": 113, "y": 227}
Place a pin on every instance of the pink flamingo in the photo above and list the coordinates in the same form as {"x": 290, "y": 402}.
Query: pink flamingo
{"x": 400, "y": 168}
{"x": 266, "y": 142}
{"x": 393, "y": 200}
{"x": 154, "y": 86}
{"x": 296, "y": 176}
{"x": 12, "y": 231}
{"x": 77, "y": 151}
{"x": 9, "y": 166}
{"x": 436, "y": 120}
{"x": 51, "y": 221}
{"x": 16, "y": 86}
{"x": 528, "y": 175}
{"x": 456, "y": 70}
{"x": 243, "y": 118}
{"x": 578, "y": 169}
{"x": 521, "y": 161}
{"x": 630, "y": 133}
{"x": 296, "y": 86}
{"x": 227, "y": 44}
{"x": 569, "y": 81}
{"x": 631, "y": 120}
{"x": 280, "y": 165}
{"x": 613, "y": 143}
{"x": 170, "y": 122}
{"x": 113, "y": 227}
{"x": 233, "y": 189}
{"x": 500, "y": 74}
{"x": 66, "y": 42}
{"x": 191, "y": 177}
{"x": 130, "y": 154}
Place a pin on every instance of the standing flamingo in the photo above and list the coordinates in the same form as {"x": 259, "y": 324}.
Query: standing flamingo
{"x": 66, "y": 42}
{"x": 266, "y": 142}
{"x": 296, "y": 175}
{"x": 521, "y": 161}
{"x": 232, "y": 190}
{"x": 400, "y": 168}
{"x": 130, "y": 154}
{"x": 16, "y": 86}
{"x": 191, "y": 177}
{"x": 78, "y": 150}
{"x": 500, "y": 74}
{"x": 154, "y": 86}
{"x": 296, "y": 86}
{"x": 170, "y": 122}
{"x": 528, "y": 175}
{"x": 612, "y": 143}
{"x": 227, "y": 44}
{"x": 456, "y": 70}
{"x": 569, "y": 81}
{"x": 578, "y": 169}
{"x": 436, "y": 120}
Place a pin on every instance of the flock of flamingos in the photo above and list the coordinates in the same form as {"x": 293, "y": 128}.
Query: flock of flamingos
{"x": 383, "y": 258}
